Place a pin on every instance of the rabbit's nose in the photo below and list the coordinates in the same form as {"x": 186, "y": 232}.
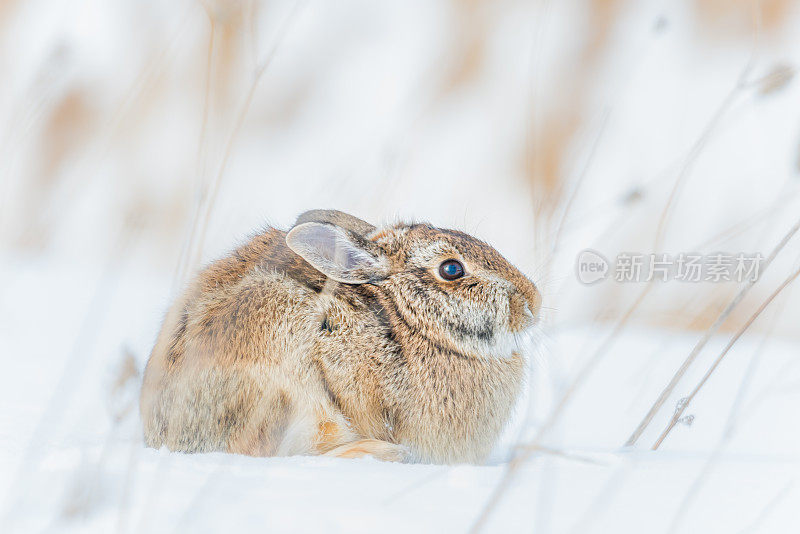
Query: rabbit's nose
{"x": 534, "y": 304}
{"x": 529, "y": 313}
{"x": 531, "y": 293}
{"x": 527, "y": 300}
{"x": 523, "y": 311}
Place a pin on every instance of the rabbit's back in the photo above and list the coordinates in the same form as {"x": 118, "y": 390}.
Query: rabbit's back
{"x": 231, "y": 353}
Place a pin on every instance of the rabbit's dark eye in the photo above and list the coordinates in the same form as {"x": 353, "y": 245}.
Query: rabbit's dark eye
{"x": 451, "y": 269}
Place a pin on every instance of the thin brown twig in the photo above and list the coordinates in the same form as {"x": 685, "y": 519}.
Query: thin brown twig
{"x": 723, "y": 316}
{"x": 741, "y": 84}
{"x": 730, "y": 423}
{"x": 433, "y": 475}
{"x": 698, "y": 147}
{"x": 259, "y": 72}
{"x": 602, "y": 501}
{"x": 528, "y": 451}
{"x": 744, "y": 225}
{"x": 687, "y": 400}
{"x": 581, "y": 179}
{"x": 202, "y": 158}
{"x": 769, "y": 507}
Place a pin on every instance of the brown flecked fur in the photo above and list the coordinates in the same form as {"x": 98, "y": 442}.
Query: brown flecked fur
{"x": 266, "y": 355}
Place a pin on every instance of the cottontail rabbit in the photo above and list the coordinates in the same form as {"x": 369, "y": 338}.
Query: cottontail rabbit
{"x": 343, "y": 339}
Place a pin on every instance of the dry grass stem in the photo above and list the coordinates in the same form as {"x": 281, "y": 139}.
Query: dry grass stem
{"x": 687, "y": 400}
{"x": 584, "y": 172}
{"x": 202, "y": 158}
{"x": 770, "y": 506}
{"x": 212, "y": 196}
{"x": 670, "y": 387}
{"x": 528, "y": 451}
{"x": 730, "y": 423}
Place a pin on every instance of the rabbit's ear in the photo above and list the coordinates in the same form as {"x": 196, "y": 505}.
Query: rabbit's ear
{"x": 336, "y": 253}
{"x": 337, "y": 218}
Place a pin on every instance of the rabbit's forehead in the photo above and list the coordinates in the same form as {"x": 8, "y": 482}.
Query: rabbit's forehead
{"x": 423, "y": 244}
{"x": 426, "y": 252}
{"x": 437, "y": 244}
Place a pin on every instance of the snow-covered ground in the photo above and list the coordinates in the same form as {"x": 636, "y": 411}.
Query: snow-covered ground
{"x": 71, "y": 456}
{"x": 139, "y": 136}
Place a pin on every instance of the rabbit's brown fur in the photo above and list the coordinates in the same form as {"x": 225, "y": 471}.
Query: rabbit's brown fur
{"x": 265, "y": 355}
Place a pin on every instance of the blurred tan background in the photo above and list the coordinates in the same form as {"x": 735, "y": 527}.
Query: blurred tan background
{"x": 153, "y": 136}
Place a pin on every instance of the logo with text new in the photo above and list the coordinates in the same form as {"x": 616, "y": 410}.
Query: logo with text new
{"x": 591, "y": 267}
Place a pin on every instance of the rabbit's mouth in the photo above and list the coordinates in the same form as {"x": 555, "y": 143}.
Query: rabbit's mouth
{"x": 507, "y": 343}
{"x": 506, "y": 338}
